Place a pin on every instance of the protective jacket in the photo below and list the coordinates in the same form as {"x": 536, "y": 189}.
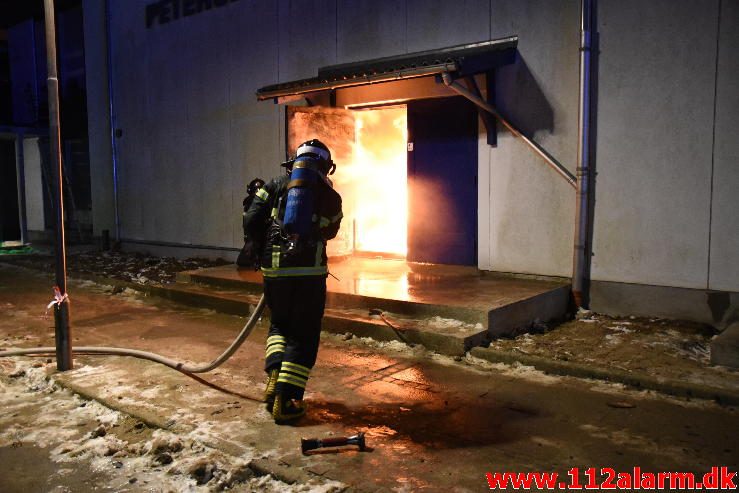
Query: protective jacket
{"x": 283, "y": 256}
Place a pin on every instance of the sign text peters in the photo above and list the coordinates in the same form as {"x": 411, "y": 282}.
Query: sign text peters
{"x": 164, "y": 11}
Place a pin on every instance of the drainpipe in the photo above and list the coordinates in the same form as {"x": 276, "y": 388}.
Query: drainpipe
{"x": 111, "y": 114}
{"x": 582, "y": 207}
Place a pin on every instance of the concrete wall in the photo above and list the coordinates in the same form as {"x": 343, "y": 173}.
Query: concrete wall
{"x": 98, "y": 118}
{"x": 666, "y": 152}
{"x": 666, "y": 201}
{"x": 526, "y": 210}
{"x": 193, "y": 134}
{"x": 34, "y": 185}
{"x": 723, "y": 273}
{"x": 655, "y": 136}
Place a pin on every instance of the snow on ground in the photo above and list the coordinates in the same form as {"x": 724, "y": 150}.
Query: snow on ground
{"x": 528, "y": 373}
{"x": 85, "y": 435}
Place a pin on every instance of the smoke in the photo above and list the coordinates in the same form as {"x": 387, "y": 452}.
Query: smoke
{"x": 334, "y": 127}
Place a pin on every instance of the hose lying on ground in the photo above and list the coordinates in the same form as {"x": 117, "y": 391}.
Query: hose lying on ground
{"x": 135, "y": 353}
{"x": 398, "y": 332}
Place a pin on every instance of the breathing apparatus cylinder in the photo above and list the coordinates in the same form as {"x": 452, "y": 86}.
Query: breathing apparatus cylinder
{"x": 301, "y": 195}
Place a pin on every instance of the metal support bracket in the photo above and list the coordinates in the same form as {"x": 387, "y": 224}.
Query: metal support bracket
{"x": 487, "y": 118}
{"x": 449, "y": 81}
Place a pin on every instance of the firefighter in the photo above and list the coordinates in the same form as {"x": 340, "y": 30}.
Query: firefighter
{"x": 302, "y": 211}
{"x": 249, "y": 254}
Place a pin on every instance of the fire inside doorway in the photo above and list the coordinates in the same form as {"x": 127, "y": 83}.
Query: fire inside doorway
{"x": 407, "y": 198}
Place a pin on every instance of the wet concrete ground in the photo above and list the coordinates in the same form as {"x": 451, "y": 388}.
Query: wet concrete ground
{"x": 428, "y": 284}
{"x": 432, "y": 422}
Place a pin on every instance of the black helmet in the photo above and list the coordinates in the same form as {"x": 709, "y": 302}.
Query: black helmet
{"x": 316, "y": 149}
{"x": 254, "y": 185}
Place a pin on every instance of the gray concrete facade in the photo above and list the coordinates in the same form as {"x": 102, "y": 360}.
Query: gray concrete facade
{"x": 666, "y": 155}
{"x": 98, "y": 118}
{"x": 723, "y": 273}
{"x": 34, "y": 185}
{"x": 655, "y": 139}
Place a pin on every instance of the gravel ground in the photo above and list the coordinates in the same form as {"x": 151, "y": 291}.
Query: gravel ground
{"x": 670, "y": 349}
{"x": 125, "y": 266}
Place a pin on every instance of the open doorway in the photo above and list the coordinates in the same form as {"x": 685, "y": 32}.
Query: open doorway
{"x": 374, "y": 183}
{"x": 403, "y": 198}
{"x": 369, "y": 148}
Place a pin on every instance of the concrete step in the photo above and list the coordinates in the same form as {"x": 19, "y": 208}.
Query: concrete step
{"x": 423, "y": 303}
{"x": 451, "y": 339}
{"x": 342, "y": 300}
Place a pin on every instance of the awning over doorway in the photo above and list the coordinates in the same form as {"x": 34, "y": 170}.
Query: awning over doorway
{"x": 459, "y": 61}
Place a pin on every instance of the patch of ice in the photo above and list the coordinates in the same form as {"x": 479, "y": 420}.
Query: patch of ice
{"x": 140, "y": 279}
{"x": 517, "y": 370}
{"x": 696, "y": 352}
{"x": 208, "y": 312}
{"x": 443, "y": 323}
{"x": 394, "y": 345}
{"x": 620, "y": 328}
{"x": 525, "y": 339}
{"x": 152, "y": 392}
{"x": 132, "y": 296}
{"x": 612, "y": 339}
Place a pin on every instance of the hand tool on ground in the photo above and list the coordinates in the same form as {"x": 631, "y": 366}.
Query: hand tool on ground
{"x": 308, "y": 444}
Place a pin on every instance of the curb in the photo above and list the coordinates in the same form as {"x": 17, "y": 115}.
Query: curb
{"x": 640, "y": 381}
{"x": 149, "y": 419}
{"x": 260, "y": 467}
{"x": 286, "y": 474}
{"x": 334, "y": 321}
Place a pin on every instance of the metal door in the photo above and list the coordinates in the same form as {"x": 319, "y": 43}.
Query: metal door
{"x": 442, "y": 176}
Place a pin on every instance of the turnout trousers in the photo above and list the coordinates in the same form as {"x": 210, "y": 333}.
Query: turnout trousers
{"x": 296, "y": 305}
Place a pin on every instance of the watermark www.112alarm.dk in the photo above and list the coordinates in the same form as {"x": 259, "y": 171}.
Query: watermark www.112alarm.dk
{"x": 606, "y": 478}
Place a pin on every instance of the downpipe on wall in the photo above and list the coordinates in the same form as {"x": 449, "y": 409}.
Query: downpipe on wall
{"x": 582, "y": 204}
{"x": 112, "y": 117}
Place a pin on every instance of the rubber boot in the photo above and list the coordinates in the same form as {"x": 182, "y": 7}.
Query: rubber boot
{"x": 269, "y": 391}
{"x": 286, "y": 410}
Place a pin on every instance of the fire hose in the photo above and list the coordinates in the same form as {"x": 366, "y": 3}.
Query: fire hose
{"x": 156, "y": 358}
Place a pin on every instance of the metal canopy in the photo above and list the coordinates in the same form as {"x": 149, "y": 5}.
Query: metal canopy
{"x": 461, "y": 61}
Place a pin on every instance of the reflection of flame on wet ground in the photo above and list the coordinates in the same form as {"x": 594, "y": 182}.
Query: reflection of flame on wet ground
{"x": 437, "y": 424}
{"x": 381, "y": 431}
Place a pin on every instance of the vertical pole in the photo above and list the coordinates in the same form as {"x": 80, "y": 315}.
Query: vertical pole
{"x": 112, "y": 118}
{"x": 61, "y": 309}
{"x": 582, "y": 209}
{"x": 20, "y": 173}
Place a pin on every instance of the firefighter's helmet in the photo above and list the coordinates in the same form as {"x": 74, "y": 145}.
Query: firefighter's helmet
{"x": 316, "y": 149}
{"x": 254, "y": 185}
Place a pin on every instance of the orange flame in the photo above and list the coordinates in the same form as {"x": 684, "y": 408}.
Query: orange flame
{"x": 374, "y": 185}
